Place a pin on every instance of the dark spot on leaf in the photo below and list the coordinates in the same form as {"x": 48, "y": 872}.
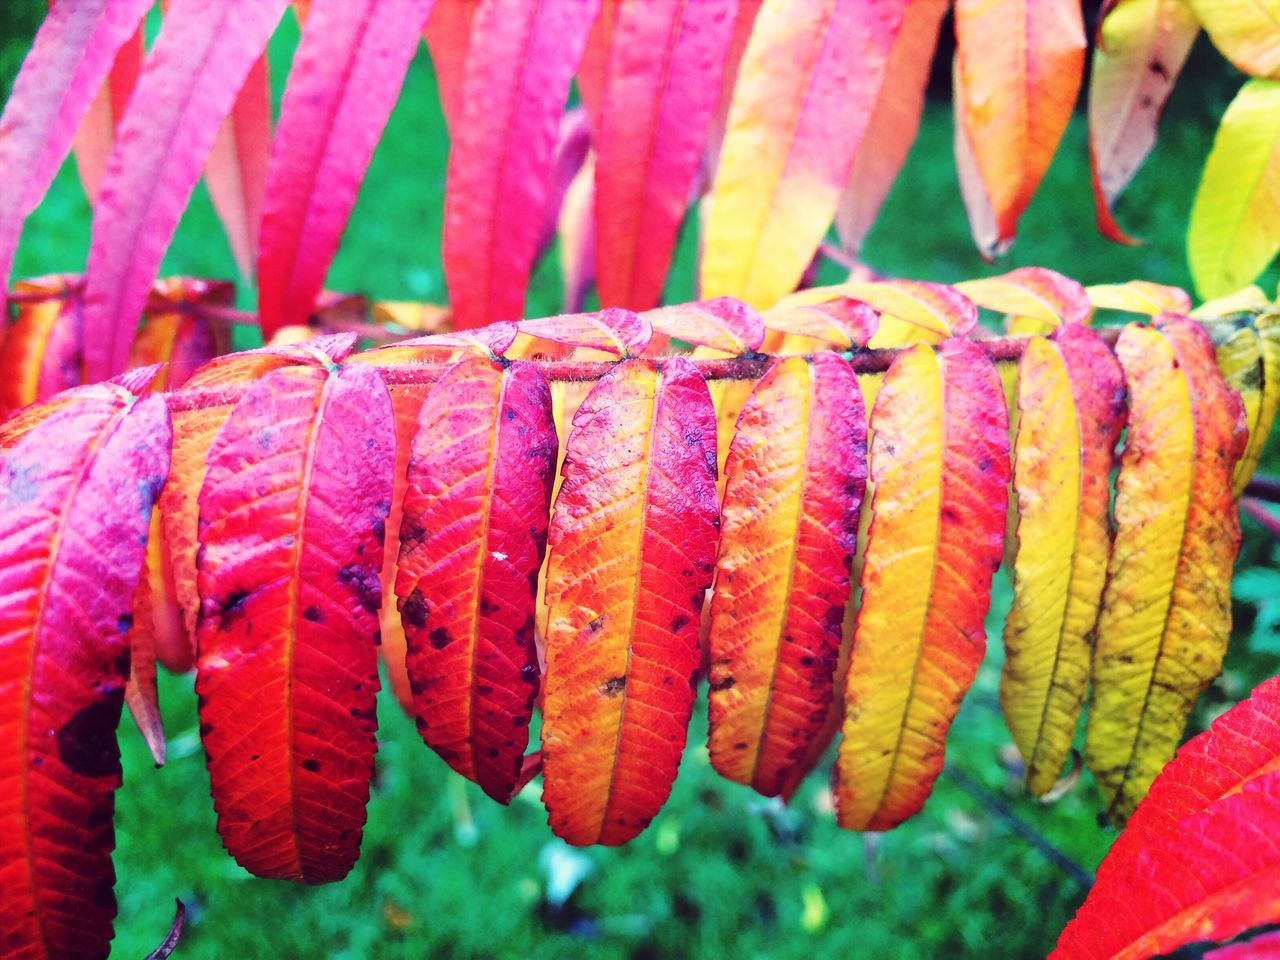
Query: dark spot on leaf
{"x": 124, "y": 622}
{"x": 740, "y": 745}
{"x": 206, "y": 728}
{"x": 414, "y": 609}
{"x": 232, "y": 608}
{"x": 725, "y": 683}
{"x": 520, "y": 720}
{"x": 440, "y": 638}
{"x": 363, "y": 581}
{"x": 614, "y": 686}
{"x": 314, "y": 614}
{"x": 87, "y": 742}
{"x": 312, "y": 765}
{"x": 596, "y": 625}
{"x": 984, "y": 465}
{"x": 509, "y": 413}
{"x": 679, "y": 623}
{"x": 484, "y": 689}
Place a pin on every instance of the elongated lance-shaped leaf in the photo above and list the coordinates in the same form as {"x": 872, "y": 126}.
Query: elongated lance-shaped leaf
{"x": 1166, "y": 614}
{"x": 448, "y": 36}
{"x": 194, "y": 431}
{"x": 345, "y": 79}
{"x": 1142, "y": 45}
{"x": 68, "y": 60}
{"x": 842, "y": 322}
{"x": 75, "y": 504}
{"x": 1200, "y": 858}
{"x": 1139, "y": 296}
{"x": 940, "y": 462}
{"x": 1248, "y": 355}
{"x": 893, "y": 124}
{"x": 793, "y": 491}
{"x": 473, "y": 536}
{"x": 1246, "y": 31}
{"x": 292, "y": 516}
{"x": 188, "y": 85}
{"x": 42, "y": 350}
{"x": 723, "y": 324}
{"x": 1018, "y": 69}
{"x": 911, "y": 311}
{"x": 1071, "y": 411}
{"x": 97, "y": 131}
{"x": 1233, "y": 233}
{"x": 155, "y": 618}
{"x": 519, "y": 65}
{"x": 1035, "y": 299}
{"x": 660, "y": 85}
{"x": 236, "y": 169}
{"x": 175, "y": 332}
{"x": 806, "y": 88}
{"x": 632, "y": 547}
{"x": 613, "y": 330}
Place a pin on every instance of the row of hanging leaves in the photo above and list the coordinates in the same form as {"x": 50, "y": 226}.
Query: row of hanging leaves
{"x": 310, "y": 501}
{"x": 787, "y": 114}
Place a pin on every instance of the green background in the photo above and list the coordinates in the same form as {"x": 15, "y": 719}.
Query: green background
{"x": 982, "y": 872}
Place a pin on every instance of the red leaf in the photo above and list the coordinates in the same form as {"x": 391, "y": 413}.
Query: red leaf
{"x": 723, "y": 324}
{"x": 448, "y": 36}
{"x": 794, "y": 480}
{"x": 520, "y": 62}
{"x": 75, "y": 504}
{"x": 292, "y": 516}
{"x": 658, "y": 86}
{"x": 71, "y": 54}
{"x": 1201, "y": 858}
{"x": 188, "y": 85}
{"x": 615, "y": 331}
{"x": 236, "y": 170}
{"x": 632, "y": 547}
{"x": 97, "y": 131}
{"x": 345, "y": 79}
{"x": 472, "y": 540}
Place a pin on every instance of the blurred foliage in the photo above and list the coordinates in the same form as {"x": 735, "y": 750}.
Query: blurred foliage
{"x": 446, "y": 872}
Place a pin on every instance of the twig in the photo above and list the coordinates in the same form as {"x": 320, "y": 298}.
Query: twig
{"x": 1005, "y": 814}
{"x": 1255, "y": 509}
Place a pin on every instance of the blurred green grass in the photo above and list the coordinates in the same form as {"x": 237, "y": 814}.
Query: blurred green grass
{"x": 445, "y": 872}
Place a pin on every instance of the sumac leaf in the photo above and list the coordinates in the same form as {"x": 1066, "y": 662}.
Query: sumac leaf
{"x": 42, "y": 350}
{"x": 794, "y": 481}
{"x": 75, "y": 504}
{"x": 723, "y": 324}
{"x": 345, "y": 79}
{"x": 612, "y": 330}
{"x": 632, "y": 547}
{"x": 97, "y": 131}
{"x": 1041, "y": 299}
{"x": 1246, "y": 31}
{"x": 1071, "y": 411}
{"x": 1139, "y": 296}
{"x": 292, "y": 516}
{"x": 940, "y": 462}
{"x": 1166, "y": 614}
{"x": 473, "y": 535}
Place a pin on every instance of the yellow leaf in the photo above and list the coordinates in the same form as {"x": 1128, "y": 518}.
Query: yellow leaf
{"x": 1246, "y": 31}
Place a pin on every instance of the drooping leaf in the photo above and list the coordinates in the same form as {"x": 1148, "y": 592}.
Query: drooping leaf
{"x": 893, "y": 124}
{"x": 1139, "y": 296}
{"x": 1248, "y": 355}
{"x": 659, "y": 84}
{"x": 472, "y": 541}
{"x": 619, "y": 332}
{"x": 1246, "y": 31}
{"x": 842, "y": 322}
{"x": 292, "y": 516}
{"x": 97, "y": 131}
{"x": 940, "y": 462}
{"x": 72, "y": 52}
{"x": 42, "y": 350}
{"x": 188, "y": 85}
{"x": 1234, "y": 233}
{"x": 346, "y": 77}
{"x": 75, "y": 504}
{"x": 1018, "y": 69}
{"x": 1166, "y": 614}
{"x": 632, "y": 547}
{"x": 794, "y": 482}
{"x": 1040, "y": 299}
{"x": 807, "y": 85}
{"x": 155, "y": 617}
{"x": 1071, "y": 411}
{"x": 519, "y": 64}
{"x": 1142, "y": 45}
{"x": 1200, "y": 858}
{"x": 236, "y": 169}
{"x": 176, "y": 333}
{"x": 723, "y": 324}
{"x": 448, "y": 36}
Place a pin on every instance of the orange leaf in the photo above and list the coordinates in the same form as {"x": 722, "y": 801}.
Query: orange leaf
{"x": 472, "y": 541}
{"x": 940, "y": 462}
{"x": 1018, "y": 70}
{"x": 292, "y": 520}
{"x": 632, "y": 547}
{"x": 793, "y": 491}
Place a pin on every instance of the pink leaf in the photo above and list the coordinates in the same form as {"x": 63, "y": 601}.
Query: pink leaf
{"x": 615, "y": 331}
{"x": 521, "y": 60}
{"x": 345, "y": 80}
{"x": 188, "y": 85}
